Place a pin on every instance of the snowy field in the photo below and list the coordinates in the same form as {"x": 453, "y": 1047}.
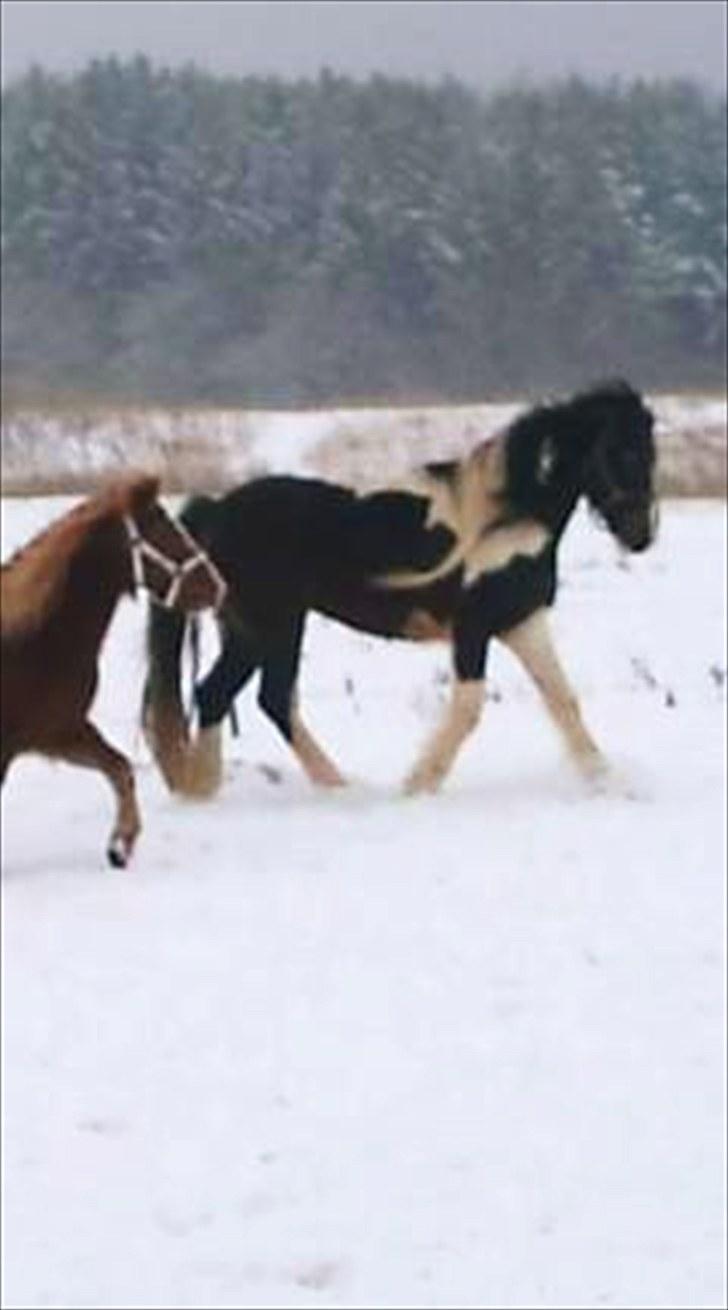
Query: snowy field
{"x": 360, "y": 1050}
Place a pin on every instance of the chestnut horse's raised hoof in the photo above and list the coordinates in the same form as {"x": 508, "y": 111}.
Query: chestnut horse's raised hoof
{"x": 118, "y": 853}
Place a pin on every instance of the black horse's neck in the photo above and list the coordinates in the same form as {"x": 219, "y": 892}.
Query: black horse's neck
{"x": 545, "y": 454}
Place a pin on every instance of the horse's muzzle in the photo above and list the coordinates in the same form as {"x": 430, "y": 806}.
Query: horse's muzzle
{"x": 638, "y": 529}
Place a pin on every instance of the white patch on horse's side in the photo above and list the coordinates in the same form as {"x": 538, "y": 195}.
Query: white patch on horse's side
{"x": 467, "y": 504}
{"x": 498, "y": 548}
{"x": 440, "y": 493}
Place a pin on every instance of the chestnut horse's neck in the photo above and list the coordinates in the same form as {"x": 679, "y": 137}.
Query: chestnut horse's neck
{"x": 97, "y": 577}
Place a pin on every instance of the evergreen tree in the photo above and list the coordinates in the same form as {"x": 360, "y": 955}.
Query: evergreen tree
{"x": 318, "y": 240}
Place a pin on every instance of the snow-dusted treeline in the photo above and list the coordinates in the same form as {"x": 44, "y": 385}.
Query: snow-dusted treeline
{"x": 262, "y": 243}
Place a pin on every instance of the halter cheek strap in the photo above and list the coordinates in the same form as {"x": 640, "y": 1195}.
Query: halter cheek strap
{"x": 177, "y": 571}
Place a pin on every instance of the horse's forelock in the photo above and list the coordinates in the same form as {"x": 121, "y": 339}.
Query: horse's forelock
{"x": 131, "y": 495}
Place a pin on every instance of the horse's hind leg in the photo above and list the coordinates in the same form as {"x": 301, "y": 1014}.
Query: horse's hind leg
{"x": 87, "y": 748}
{"x": 278, "y": 700}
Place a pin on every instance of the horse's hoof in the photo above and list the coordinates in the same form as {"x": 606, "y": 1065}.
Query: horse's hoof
{"x": 422, "y": 784}
{"x": 599, "y": 780}
{"x": 118, "y": 853}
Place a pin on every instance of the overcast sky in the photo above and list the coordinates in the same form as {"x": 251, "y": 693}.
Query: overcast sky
{"x": 484, "y": 44}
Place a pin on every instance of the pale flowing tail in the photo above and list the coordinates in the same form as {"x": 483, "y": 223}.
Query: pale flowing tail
{"x": 189, "y": 765}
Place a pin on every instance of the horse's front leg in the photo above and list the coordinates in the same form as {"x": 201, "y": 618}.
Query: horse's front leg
{"x": 462, "y": 715}
{"x": 87, "y": 748}
{"x": 531, "y": 642}
{"x": 279, "y": 701}
{"x": 214, "y": 698}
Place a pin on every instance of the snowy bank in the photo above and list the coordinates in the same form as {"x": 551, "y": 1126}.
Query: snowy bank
{"x": 194, "y": 450}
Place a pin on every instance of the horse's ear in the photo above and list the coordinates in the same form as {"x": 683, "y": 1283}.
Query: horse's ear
{"x": 142, "y": 492}
{"x": 546, "y": 460}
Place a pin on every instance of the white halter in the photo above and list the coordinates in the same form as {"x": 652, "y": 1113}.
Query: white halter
{"x": 176, "y": 570}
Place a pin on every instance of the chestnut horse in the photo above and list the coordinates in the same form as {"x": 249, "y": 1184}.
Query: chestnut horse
{"x": 59, "y": 594}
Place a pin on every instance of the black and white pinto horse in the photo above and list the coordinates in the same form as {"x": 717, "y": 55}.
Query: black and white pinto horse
{"x": 463, "y": 551}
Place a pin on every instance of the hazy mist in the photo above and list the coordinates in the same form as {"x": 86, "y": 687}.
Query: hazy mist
{"x": 483, "y": 44}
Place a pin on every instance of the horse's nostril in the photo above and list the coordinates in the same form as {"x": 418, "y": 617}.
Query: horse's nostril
{"x": 640, "y": 544}
{"x": 639, "y": 537}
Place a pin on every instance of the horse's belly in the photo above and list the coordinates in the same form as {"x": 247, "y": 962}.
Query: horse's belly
{"x": 423, "y": 626}
{"x": 382, "y": 614}
{"x": 40, "y": 702}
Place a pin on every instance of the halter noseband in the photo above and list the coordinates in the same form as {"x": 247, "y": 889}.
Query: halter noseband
{"x": 176, "y": 570}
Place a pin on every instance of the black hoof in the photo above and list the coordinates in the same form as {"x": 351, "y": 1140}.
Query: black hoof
{"x": 117, "y": 854}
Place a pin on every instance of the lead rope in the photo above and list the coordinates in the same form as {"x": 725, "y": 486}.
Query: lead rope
{"x": 195, "y": 656}
{"x": 195, "y": 649}
{"x": 177, "y": 572}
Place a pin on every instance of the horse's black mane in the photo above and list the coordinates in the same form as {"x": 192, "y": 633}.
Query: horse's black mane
{"x": 563, "y": 429}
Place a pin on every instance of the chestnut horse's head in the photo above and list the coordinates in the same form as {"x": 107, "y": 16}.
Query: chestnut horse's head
{"x": 166, "y": 560}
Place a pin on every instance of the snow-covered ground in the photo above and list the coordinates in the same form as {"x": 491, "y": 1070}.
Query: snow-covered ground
{"x": 355, "y": 1049}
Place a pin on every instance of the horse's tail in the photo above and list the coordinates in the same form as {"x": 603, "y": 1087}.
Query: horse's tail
{"x": 163, "y": 718}
{"x": 184, "y": 763}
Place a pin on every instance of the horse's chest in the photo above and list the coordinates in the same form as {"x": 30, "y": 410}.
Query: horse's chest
{"x": 495, "y": 600}
{"x": 504, "y": 546}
